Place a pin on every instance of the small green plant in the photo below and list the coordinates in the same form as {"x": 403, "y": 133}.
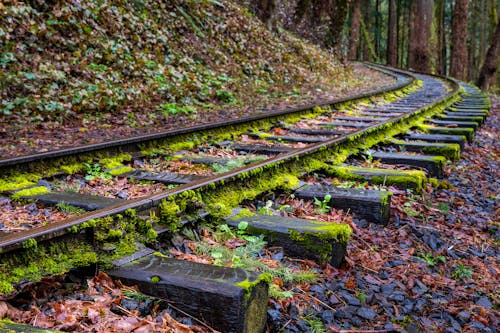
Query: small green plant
{"x": 170, "y": 109}
{"x": 368, "y": 157}
{"x": 322, "y": 205}
{"x": 95, "y": 171}
{"x": 361, "y": 297}
{"x": 70, "y": 209}
{"x": 431, "y": 260}
{"x": 443, "y": 207}
{"x": 315, "y": 324}
{"x": 461, "y": 272}
{"x": 267, "y": 209}
{"x": 286, "y": 208}
{"x": 225, "y": 96}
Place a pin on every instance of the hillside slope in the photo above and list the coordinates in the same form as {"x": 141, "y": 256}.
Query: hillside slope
{"x": 130, "y": 66}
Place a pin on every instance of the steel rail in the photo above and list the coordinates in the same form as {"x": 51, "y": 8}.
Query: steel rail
{"x": 14, "y": 240}
{"x": 130, "y": 144}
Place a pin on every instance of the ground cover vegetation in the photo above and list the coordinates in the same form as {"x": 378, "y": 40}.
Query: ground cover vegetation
{"x": 106, "y": 69}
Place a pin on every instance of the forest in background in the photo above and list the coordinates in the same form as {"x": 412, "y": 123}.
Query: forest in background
{"x": 459, "y": 38}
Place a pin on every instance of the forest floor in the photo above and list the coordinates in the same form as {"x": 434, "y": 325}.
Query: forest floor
{"x": 434, "y": 268}
{"x": 22, "y": 137}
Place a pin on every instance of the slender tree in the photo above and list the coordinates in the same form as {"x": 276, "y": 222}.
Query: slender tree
{"x": 458, "y": 66}
{"x": 265, "y": 10}
{"x": 354, "y": 34}
{"x": 421, "y": 14}
{"x": 300, "y": 10}
{"x": 440, "y": 36}
{"x": 337, "y": 12}
{"x": 392, "y": 35}
{"x": 366, "y": 9}
{"x": 490, "y": 64}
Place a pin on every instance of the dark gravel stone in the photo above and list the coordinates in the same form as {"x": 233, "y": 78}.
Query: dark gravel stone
{"x": 484, "y": 302}
{"x": 129, "y": 304}
{"x": 362, "y": 223}
{"x": 366, "y": 313}
{"x": 275, "y": 317}
{"x": 340, "y": 314}
{"x": 397, "y": 296}
{"x": 351, "y": 300}
{"x": 356, "y": 321}
{"x": 122, "y": 194}
{"x": 333, "y": 299}
{"x": 328, "y": 317}
{"x": 145, "y": 308}
{"x": 477, "y": 253}
{"x": 420, "y": 305}
{"x": 186, "y": 321}
{"x": 480, "y": 327}
{"x": 463, "y": 316}
{"x": 32, "y": 207}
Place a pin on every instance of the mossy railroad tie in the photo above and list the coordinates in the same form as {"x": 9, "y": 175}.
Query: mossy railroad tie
{"x": 207, "y": 160}
{"x": 412, "y": 179}
{"x": 287, "y": 138}
{"x": 467, "y": 132}
{"x": 451, "y": 117}
{"x": 84, "y": 201}
{"x": 261, "y": 149}
{"x": 227, "y": 299}
{"x": 443, "y": 138}
{"x": 482, "y": 114}
{"x": 165, "y": 177}
{"x": 7, "y": 326}
{"x": 371, "y": 205}
{"x": 322, "y": 241}
{"x": 433, "y": 164}
{"x": 313, "y": 131}
{"x": 344, "y": 124}
{"x": 483, "y": 110}
{"x": 449, "y": 123}
{"x": 362, "y": 119}
{"x": 449, "y": 150}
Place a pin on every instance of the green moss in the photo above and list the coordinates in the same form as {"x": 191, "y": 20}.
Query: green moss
{"x": 245, "y": 212}
{"x": 318, "y": 239}
{"x": 155, "y": 279}
{"x": 71, "y": 169}
{"x": 30, "y": 243}
{"x": 465, "y": 131}
{"x": 32, "y": 263}
{"x": 30, "y": 192}
{"x": 414, "y": 179}
{"x": 115, "y": 161}
{"x": 16, "y": 181}
{"x": 120, "y": 170}
{"x": 248, "y": 285}
{"x": 185, "y": 145}
{"x": 443, "y": 184}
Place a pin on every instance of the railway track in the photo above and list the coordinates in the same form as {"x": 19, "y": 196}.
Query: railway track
{"x": 124, "y": 198}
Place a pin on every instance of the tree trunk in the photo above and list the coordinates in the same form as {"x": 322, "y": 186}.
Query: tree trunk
{"x": 490, "y": 65}
{"x": 265, "y": 10}
{"x": 377, "y": 28}
{"x": 300, "y": 10}
{"x": 366, "y": 18}
{"x": 354, "y": 36}
{"x": 392, "y": 35}
{"x": 458, "y": 67}
{"x": 338, "y": 13}
{"x": 421, "y": 13}
{"x": 441, "y": 37}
